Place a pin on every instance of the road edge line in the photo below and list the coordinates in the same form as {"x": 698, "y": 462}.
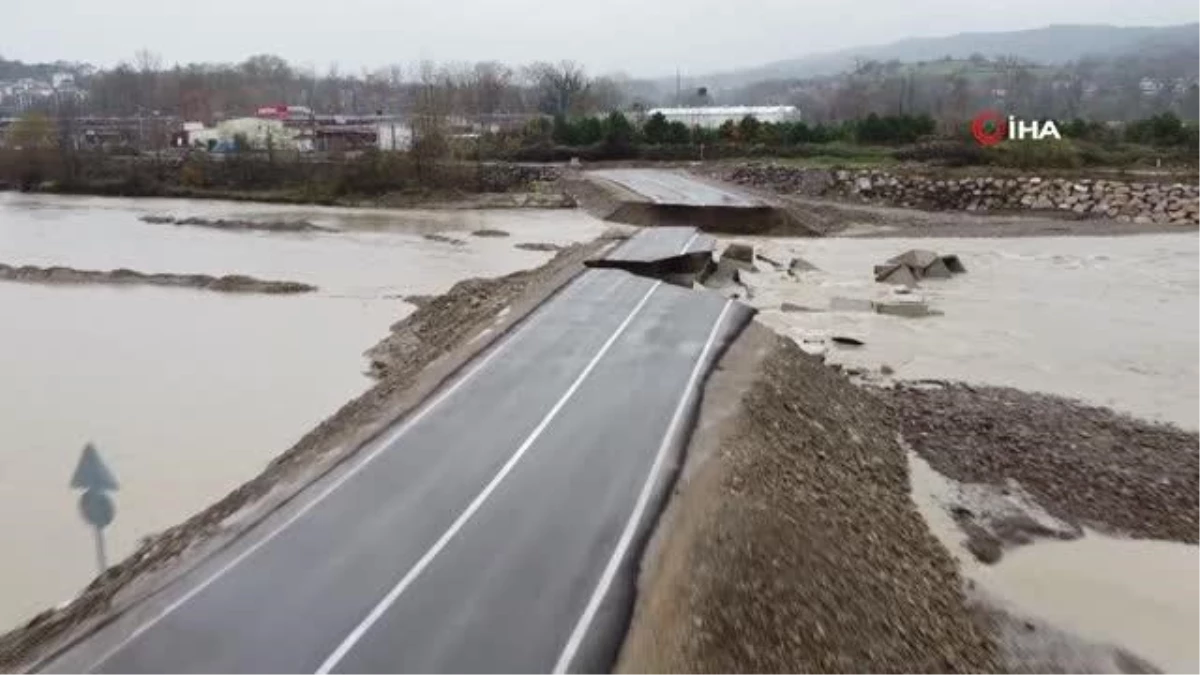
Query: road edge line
{"x": 567, "y": 655}
{"x": 415, "y": 571}
{"x": 381, "y": 444}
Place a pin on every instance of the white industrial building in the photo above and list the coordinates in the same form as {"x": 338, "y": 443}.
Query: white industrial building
{"x": 259, "y": 133}
{"x": 714, "y": 116}
{"x": 394, "y": 135}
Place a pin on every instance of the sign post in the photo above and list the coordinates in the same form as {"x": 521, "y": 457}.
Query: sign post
{"x": 97, "y": 508}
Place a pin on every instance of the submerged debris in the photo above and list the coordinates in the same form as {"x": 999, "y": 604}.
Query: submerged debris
{"x": 443, "y": 239}
{"x": 238, "y": 224}
{"x": 535, "y": 246}
{"x": 739, "y": 255}
{"x": 489, "y": 233}
{"x": 798, "y": 265}
{"x": 770, "y": 261}
{"x": 793, "y": 307}
{"x": 905, "y": 308}
{"x": 911, "y": 266}
{"x": 841, "y": 304}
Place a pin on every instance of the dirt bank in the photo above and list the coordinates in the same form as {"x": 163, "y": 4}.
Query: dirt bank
{"x": 1085, "y": 465}
{"x": 422, "y": 351}
{"x": 791, "y": 544}
{"x": 238, "y": 224}
{"x": 230, "y": 283}
{"x": 1060, "y": 597}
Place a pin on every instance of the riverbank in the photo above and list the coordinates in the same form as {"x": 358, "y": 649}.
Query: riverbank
{"x": 790, "y": 544}
{"x": 368, "y": 179}
{"x": 229, "y": 283}
{"x": 1058, "y": 525}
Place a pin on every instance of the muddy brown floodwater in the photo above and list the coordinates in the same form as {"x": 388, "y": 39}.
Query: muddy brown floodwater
{"x": 186, "y": 393}
{"x": 1114, "y": 321}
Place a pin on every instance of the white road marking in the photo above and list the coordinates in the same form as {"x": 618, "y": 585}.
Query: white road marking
{"x": 614, "y": 562}
{"x": 689, "y": 243}
{"x": 388, "y": 600}
{"x": 380, "y": 447}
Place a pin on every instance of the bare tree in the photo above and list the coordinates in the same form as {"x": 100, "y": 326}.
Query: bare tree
{"x": 148, "y": 66}
{"x": 432, "y": 107}
{"x": 560, "y": 86}
{"x": 489, "y": 85}
{"x": 605, "y": 95}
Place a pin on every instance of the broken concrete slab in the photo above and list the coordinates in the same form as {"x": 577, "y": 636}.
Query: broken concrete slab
{"x": 896, "y": 274}
{"x": 799, "y": 265}
{"x": 677, "y": 255}
{"x": 722, "y": 274}
{"x": 840, "y": 304}
{"x": 918, "y": 258}
{"x": 739, "y": 254}
{"x": 770, "y": 261}
{"x": 954, "y": 264}
{"x": 910, "y": 267}
{"x": 936, "y": 270}
{"x": 905, "y": 308}
{"x": 793, "y": 307}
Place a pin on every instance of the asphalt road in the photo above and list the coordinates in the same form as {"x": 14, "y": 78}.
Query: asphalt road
{"x": 676, "y": 188}
{"x": 496, "y": 529}
{"x": 658, "y": 243}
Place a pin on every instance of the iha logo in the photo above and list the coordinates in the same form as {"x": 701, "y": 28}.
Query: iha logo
{"x": 990, "y": 127}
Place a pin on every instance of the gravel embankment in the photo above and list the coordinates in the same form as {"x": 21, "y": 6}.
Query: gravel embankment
{"x": 792, "y": 545}
{"x": 1084, "y": 464}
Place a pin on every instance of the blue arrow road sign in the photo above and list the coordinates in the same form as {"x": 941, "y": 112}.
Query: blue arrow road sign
{"x": 91, "y": 473}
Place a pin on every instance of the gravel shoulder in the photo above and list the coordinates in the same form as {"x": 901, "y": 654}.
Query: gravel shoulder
{"x": 791, "y": 543}
{"x": 422, "y": 351}
{"x": 1085, "y": 465}
{"x": 1075, "y": 526}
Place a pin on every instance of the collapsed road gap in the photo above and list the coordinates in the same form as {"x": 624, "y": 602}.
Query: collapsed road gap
{"x": 675, "y": 255}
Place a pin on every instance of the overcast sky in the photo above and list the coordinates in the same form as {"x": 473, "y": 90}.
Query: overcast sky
{"x": 639, "y": 37}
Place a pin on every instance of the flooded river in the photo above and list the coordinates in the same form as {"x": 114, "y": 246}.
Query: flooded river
{"x": 189, "y": 393}
{"x": 1114, "y": 321}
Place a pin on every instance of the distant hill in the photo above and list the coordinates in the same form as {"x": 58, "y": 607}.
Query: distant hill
{"x": 1052, "y": 44}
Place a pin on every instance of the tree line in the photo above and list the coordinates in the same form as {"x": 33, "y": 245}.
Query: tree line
{"x": 1109, "y": 88}
{"x": 207, "y": 92}
{"x": 1116, "y": 88}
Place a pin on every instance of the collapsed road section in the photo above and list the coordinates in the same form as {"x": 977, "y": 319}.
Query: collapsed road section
{"x": 525, "y": 487}
{"x": 677, "y": 255}
{"x": 653, "y": 197}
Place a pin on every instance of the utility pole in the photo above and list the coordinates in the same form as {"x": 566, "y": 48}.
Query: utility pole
{"x": 678, "y": 101}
